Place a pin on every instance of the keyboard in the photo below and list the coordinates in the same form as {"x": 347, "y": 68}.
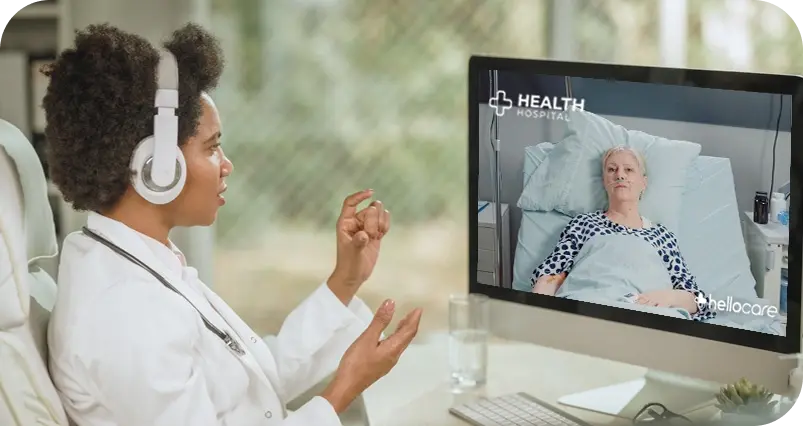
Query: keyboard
{"x": 519, "y": 409}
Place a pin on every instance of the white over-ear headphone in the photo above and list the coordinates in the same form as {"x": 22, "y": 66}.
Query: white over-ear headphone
{"x": 158, "y": 163}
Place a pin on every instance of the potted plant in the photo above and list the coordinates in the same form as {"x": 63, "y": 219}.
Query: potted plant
{"x": 745, "y": 403}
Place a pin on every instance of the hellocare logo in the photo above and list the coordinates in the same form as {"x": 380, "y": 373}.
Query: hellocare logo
{"x": 730, "y": 305}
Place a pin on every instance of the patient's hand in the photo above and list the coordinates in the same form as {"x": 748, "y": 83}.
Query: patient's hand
{"x": 549, "y": 284}
{"x": 669, "y": 299}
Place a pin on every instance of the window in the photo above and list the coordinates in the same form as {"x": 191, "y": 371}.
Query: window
{"x": 617, "y": 31}
{"x": 740, "y": 35}
{"x": 743, "y": 35}
{"x": 324, "y": 98}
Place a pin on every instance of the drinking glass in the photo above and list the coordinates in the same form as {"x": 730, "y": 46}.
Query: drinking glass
{"x": 469, "y": 317}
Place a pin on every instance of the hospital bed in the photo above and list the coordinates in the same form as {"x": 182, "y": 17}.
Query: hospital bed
{"x": 709, "y": 236}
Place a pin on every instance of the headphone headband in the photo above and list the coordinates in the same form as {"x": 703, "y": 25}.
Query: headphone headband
{"x": 167, "y": 76}
{"x": 165, "y": 122}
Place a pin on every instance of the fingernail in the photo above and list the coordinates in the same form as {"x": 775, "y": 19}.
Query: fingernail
{"x": 389, "y": 304}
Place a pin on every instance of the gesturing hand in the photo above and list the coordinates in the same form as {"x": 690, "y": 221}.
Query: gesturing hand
{"x": 359, "y": 237}
{"x": 369, "y": 358}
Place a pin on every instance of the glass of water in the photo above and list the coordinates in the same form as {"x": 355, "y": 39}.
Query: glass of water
{"x": 469, "y": 317}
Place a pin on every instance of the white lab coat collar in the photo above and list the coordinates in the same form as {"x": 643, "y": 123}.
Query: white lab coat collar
{"x": 165, "y": 261}
{"x": 169, "y": 257}
{"x": 127, "y": 238}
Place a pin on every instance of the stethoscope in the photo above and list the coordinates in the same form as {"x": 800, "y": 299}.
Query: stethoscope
{"x": 226, "y": 337}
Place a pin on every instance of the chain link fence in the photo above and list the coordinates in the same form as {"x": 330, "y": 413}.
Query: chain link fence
{"x": 322, "y": 98}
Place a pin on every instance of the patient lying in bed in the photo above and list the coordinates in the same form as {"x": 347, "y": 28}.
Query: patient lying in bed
{"x": 618, "y": 257}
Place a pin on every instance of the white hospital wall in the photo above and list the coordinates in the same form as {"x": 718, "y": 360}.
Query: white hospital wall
{"x": 750, "y": 152}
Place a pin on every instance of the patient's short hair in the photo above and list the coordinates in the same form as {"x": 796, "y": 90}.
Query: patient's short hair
{"x": 99, "y": 105}
{"x": 622, "y": 148}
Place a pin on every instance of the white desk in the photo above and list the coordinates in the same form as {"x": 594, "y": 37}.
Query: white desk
{"x": 417, "y": 392}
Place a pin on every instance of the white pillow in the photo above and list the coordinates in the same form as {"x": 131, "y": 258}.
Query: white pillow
{"x": 569, "y": 180}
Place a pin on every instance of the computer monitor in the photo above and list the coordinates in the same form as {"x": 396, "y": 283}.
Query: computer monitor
{"x": 626, "y": 221}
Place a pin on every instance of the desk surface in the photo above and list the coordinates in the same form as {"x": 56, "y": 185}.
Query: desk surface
{"x": 417, "y": 391}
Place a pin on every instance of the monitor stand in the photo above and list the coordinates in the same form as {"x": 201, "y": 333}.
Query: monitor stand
{"x": 679, "y": 394}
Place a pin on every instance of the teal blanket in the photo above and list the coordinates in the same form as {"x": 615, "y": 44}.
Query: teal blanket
{"x": 610, "y": 268}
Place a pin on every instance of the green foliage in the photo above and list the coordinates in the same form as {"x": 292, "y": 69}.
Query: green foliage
{"x": 618, "y": 31}
{"x": 744, "y": 397}
{"x": 416, "y": 181}
{"x": 774, "y": 39}
{"x": 251, "y": 22}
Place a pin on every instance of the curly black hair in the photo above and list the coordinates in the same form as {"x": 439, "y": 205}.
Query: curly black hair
{"x": 99, "y": 105}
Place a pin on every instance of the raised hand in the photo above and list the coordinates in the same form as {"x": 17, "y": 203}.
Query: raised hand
{"x": 359, "y": 238}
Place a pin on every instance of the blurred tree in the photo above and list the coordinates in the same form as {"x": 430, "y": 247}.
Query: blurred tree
{"x": 770, "y": 37}
{"x": 330, "y": 96}
{"x": 618, "y": 31}
{"x": 250, "y": 14}
{"x": 358, "y": 93}
{"x": 778, "y": 45}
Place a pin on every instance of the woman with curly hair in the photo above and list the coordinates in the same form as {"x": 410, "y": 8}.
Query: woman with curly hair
{"x": 135, "y": 338}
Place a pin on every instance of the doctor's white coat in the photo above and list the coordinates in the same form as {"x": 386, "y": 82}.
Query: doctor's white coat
{"x": 127, "y": 351}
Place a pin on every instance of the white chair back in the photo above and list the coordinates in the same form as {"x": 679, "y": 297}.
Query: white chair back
{"x": 27, "y": 292}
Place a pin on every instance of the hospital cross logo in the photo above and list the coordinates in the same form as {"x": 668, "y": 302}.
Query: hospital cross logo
{"x": 730, "y": 305}
{"x": 537, "y": 106}
{"x": 500, "y": 103}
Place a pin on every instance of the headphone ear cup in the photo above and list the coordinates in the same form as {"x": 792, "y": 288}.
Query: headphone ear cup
{"x": 140, "y": 167}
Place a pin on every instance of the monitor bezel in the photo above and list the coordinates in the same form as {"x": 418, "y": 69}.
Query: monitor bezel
{"x": 728, "y": 80}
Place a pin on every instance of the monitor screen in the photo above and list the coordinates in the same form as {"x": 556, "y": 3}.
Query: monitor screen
{"x": 650, "y": 196}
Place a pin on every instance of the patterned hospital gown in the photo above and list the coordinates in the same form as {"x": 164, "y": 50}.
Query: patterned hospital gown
{"x": 585, "y": 226}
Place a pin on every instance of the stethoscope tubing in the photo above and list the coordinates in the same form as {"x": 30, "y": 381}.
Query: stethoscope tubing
{"x": 227, "y": 339}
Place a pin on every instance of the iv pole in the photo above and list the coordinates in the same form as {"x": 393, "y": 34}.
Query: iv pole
{"x": 568, "y": 81}
{"x": 497, "y": 188}
{"x": 497, "y": 196}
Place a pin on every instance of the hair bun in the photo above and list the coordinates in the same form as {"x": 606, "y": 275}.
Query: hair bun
{"x": 198, "y": 52}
